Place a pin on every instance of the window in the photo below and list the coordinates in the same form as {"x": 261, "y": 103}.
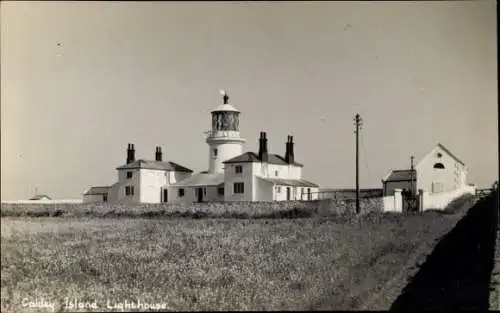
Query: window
{"x": 204, "y": 191}
{"x": 181, "y": 192}
{"x": 214, "y": 152}
{"x": 129, "y": 174}
{"x": 238, "y": 188}
{"x": 220, "y": 191}
{"x": 238, "y": 169}
{"x": 278, "y": 189}
{"x": 439, "y": 165}
{"x": 275, "y": 173}
{"x": 129, "y": 190}
{"x": 105, "y": 198}
{"x": 439, "y": 155}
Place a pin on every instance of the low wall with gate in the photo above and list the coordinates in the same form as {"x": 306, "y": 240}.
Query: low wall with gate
{"x": 426, "y": 200}
{"x": 439, "y": 201}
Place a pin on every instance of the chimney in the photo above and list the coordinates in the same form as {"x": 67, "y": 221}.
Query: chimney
{"x": 130, "y": 153}
{"x": 263, "y": 155}
{"x": 158, "y": 154}
{"x": 289, "y": 156}
{"x": 287, "y": 148}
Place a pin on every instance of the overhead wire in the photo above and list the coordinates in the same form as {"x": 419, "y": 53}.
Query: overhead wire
{"x": 365, "y": 154}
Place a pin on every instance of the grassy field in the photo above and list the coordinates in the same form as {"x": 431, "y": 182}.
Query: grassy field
{"x": 208, "y": 264}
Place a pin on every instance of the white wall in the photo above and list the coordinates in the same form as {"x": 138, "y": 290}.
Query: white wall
{"x": 283, "y": 171}
{"x": 151, "y": 183}
{"x": 439, "y": 201}
{"x": 113, "y": 192}
{"x": 117, "y": 190}
{"x": 226, "y": 149}
{"x": 263, "y": 190}
{"x": 393, "y": 203}
{"x": 314, "y": 193}
{"x": 210, "y": 194}
{"x": 452, "y": 177}
{"x": 246, "y": 177}
{"x": 148, "y": 185}
{"x": 279, "y": 193}
{"x": 173, "y": 195}
{"x": 258, "y": 190}
{"x": 175, "y": 177}
{"x": 93, "y": 198}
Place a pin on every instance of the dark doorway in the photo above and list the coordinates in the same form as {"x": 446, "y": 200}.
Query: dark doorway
{"x": 165, "y": 195}
{"x": 199, "y": 192}
{"x": 410, "y": 201}
{"x": 288, "y": 193}
{"x": 309, "y": 194}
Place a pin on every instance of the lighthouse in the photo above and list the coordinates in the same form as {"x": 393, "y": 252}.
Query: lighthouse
{"x": 224, "y": 141}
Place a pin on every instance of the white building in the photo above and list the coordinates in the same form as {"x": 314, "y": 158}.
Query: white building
{"x": 438, "y": 171}
{"x": 237, "y": 176}
{"x": 140, "y": 181}
{"x": 231, "y": 176}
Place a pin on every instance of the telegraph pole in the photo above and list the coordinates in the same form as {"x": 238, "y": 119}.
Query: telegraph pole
{"x": 412, "y": 187}
{"x": 358, "y": 124}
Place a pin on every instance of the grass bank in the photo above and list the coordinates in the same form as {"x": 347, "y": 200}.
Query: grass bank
{"x": 208, "y": 264}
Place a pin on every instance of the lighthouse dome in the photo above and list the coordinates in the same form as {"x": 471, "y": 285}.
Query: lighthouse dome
{"x": 226, "y": 108}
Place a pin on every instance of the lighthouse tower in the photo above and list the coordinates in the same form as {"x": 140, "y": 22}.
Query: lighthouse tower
{"x": 224, "y": 139}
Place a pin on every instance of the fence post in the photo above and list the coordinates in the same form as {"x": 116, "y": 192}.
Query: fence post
{"x": 421, "y": 200}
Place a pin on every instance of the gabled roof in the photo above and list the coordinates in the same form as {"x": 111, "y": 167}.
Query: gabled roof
{"x": 201, "y": 179}
{"x": 250, "y": 157}
{"x": 450, "y": 154}
{"x": 40, "y": 197}
{"x": 400, "y": 175}
{"x": 97, "y": 190}
{"x": 289, "y": 182}
{"x": 154, "y": 165}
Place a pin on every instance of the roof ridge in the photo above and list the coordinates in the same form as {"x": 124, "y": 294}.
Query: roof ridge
{"x": 450, "y": 153}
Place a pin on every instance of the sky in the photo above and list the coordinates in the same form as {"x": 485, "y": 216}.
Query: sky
{"x": 81, "y": 80}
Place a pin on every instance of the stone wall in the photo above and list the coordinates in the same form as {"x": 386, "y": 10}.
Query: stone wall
{"x": 213, "y": 209}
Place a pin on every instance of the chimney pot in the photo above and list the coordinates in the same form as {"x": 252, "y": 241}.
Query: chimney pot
{"x": 130, "y": 153}
{"x": 289, "y": 154}
{"x": 158, "y": 154}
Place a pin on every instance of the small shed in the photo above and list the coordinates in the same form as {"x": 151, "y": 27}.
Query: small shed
{"x": 40, "y": 198}
{"x": 399, "y": 179}
{"x": 96, "y": 194}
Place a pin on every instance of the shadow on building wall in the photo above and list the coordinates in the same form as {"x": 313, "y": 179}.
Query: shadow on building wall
{"x": 456, "y": 275}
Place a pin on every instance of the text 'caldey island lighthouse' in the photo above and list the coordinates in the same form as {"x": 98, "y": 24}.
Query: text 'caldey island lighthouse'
{"x": 231, "y": 176}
